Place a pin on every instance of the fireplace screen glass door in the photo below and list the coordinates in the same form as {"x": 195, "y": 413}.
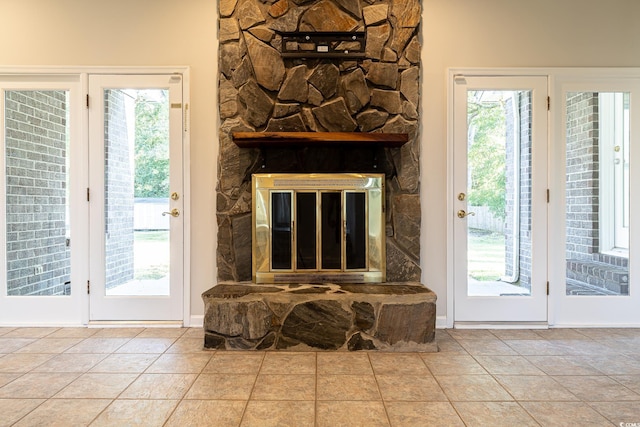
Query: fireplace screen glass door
{"x": 332, "y": 228}
{"x": 307, "y": 232}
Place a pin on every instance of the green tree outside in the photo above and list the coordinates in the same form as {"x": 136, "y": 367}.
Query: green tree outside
{"x": 152, "y": 146}
{"x": 486, "y": 152}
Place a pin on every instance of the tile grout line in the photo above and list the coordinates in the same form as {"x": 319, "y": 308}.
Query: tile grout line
{"x": 449, "y": 401}
{"x": 382, "y": 399}
{"x": 30, "y": 371}
{"x": 123, "y": 390}
{"x": 182, "y": 399}
{"x": 315, "y": 400}
{"x": 173, "y": 411}
{"x": 495, "y": 379}
{"x": 587, "y": 405}
{"x": 255, "y": 381}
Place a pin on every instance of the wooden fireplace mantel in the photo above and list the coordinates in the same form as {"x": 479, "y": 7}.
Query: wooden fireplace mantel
{"x": 316, "y": 139}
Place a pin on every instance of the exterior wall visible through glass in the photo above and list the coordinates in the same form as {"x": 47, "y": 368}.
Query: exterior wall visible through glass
{"x": 597, "y": 193}
{"x": 36, "y": 172}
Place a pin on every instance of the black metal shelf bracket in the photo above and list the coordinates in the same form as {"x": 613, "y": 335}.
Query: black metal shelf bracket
{"x": 323, "y": 44}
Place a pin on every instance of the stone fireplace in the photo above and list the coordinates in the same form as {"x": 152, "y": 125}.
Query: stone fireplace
{"x": 329, "y": 86}
{"x": 261, "y": 91}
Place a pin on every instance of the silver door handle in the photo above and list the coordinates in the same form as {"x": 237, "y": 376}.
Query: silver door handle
{"x": 174, "y": 213}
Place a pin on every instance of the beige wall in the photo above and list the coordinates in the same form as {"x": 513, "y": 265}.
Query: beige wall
{"x": 135, "y": 33}
{"x": 503, "y": 33}
{"x": 456, "y": 33}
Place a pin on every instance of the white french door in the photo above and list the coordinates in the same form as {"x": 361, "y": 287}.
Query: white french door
{"x": 136, "y": 193}
{"x": 499, "y": 199}
{"x": 594, "y": 275}
{"x": 43, "y": 215}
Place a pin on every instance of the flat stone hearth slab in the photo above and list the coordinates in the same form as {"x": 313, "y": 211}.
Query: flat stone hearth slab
{"x": 387, "y": 316}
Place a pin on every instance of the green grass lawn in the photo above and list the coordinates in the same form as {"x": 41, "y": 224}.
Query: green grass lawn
{"x": 151, "y": 254}
{"x": 485, "y": 255}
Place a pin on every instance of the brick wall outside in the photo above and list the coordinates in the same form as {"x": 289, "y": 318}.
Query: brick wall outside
{"x": 36, "y": 186}
{"x": 509, "y": 201}
{"x": 119, "y": 199}
{"x": 524, "y": 101}
{"x": 588, "y": 271}
{"x": 525, "y": 188}
{"x": 582, "y": 175}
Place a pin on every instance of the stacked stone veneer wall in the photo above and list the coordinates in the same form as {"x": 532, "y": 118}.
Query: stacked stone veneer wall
{"x": 587, "y": 269}
{"x": 261, "y": 91}
{"x": 38, "y": 260}
{"x": 119, "y": 199}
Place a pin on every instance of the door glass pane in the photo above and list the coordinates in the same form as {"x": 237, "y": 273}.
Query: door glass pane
{"x": 306, "y": 230}
{"x": 37, "y": 198}
{"x": 355, "y": 233}
{"x": 281, "y": 230}
{"x": 597, "y": 193}
{"x": 331, "y": 230}
{"x": 137, "y": 191}
{"x": 498, "y": 194}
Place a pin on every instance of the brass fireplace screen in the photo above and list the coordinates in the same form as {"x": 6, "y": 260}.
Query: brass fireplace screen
{"x": 318, "y": 228}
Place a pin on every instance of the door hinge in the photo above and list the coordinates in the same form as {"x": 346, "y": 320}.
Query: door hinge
{"x": 87, "y": 100}
{"x": 88, "y": 195}
{"x": 548, "y": 196}
{"x": 186, "y": 116}
{"x": 547, "y": 288}
{"x": 548, "y": 103}
{"x": 88, "y": 287}
{"x": 459, "y": 79}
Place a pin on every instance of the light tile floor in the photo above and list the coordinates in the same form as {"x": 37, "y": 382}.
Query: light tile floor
{"x": 156, "y": 377}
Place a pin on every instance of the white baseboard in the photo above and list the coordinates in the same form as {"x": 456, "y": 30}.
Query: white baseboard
{"x": 196, "y": 321}
{"x": 598, "y": 325}
{"x": 501, "y": 325}
{"x": 441, "y": 322}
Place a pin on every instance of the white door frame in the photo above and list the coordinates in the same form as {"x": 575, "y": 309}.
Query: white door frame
{"x": 506, "y": 311}
{"x": 590, "y": 310}
{"x": 79, "y": 314}
{"x": 133, "y": 308}
{"x": 557, "y": 298}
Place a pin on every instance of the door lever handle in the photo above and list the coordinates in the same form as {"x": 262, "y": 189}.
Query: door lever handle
{"x": 174, "y": 213}
{"x": 463, "y": 214}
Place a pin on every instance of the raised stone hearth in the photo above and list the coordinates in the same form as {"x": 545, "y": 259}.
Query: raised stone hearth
{"x": 388, "y": 316}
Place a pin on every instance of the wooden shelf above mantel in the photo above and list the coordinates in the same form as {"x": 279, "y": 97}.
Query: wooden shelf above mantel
{"x": 316, "y": 139}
